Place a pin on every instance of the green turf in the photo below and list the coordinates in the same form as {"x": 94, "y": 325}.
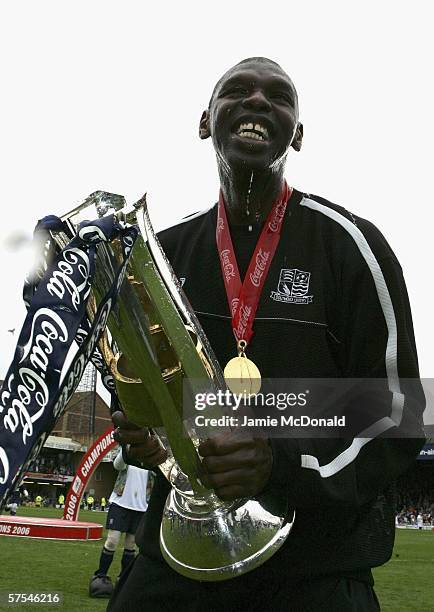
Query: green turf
{"x": 405, "y": 584}
{"x": 50, "y": 566}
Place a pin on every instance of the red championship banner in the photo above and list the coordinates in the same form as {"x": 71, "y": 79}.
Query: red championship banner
{"x": 89, "y": 463}
{"x": 48, "y": 528}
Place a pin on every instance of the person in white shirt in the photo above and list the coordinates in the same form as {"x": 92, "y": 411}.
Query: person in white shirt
{"x": 128, "y": 502}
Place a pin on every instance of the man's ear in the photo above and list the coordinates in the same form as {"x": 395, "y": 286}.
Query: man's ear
{"x": 204, "y": 125}
{"x": 298, "y": 138}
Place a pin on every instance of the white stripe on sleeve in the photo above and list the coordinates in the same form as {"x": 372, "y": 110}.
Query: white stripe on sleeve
{"x": 350, "y": 454}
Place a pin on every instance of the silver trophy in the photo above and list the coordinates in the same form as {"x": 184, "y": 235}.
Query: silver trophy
{"x": 162, "y": 358}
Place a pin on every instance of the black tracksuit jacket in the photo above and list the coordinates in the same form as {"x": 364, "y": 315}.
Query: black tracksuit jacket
{"x": 354, "y": 322}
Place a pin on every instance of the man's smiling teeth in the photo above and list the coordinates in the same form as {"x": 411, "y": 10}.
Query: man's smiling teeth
{"x": 256, "y": 132}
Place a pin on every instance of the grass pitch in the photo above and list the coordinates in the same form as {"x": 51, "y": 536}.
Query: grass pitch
{"x": 34, "y": 565}
{"x": 403, "y": 585}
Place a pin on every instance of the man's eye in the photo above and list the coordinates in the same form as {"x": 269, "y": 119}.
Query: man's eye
{"x": 236, "y": 91}
{"x": 282, "y": 97}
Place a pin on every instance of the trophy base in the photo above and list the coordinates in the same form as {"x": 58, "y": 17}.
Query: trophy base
{"x": 213, "y": 544}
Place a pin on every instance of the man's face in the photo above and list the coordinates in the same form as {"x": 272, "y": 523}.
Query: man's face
{"x": 253, "y": 117}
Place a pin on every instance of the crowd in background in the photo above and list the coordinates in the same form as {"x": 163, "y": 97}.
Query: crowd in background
{"x": 415, "y": 515}
{"x": 88, "y": 502}
{"x": 54, "y": 464}
{"x": 415, "y": 501}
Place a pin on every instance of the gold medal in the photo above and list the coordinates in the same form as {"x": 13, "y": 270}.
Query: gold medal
{"x": 241, "y": 374}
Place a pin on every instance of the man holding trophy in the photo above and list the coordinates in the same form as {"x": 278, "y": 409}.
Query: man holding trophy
{"x": 282, "y": 286}
{"x": 291, "y": 286}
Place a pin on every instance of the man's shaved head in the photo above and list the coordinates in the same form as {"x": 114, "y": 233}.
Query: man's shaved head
{"x": 251, "y": 60}
{"x": 257, "y": 95}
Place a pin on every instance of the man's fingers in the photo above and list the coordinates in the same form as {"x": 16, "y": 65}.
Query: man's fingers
{"x": 225, "y": 443}
{"x": 229, "y": 486}
{"x": 148, "y": 456}
{"x": 127, "y": 432}
{"x": 131, "y": 436}
{"x": 242, "y": 458}
{"x": 151, "y": 445}
{"x": 242, "y": 472}
{"x": 120, "y": 420}
{"x": 234, "y": 477}
{"x": 142, "y": 447}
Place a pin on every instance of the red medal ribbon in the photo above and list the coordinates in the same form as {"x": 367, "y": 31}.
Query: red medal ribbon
{"x": 243, "y": 299}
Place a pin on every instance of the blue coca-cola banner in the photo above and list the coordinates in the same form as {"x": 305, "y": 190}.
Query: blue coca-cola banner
{"x": 33, "y": 395}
